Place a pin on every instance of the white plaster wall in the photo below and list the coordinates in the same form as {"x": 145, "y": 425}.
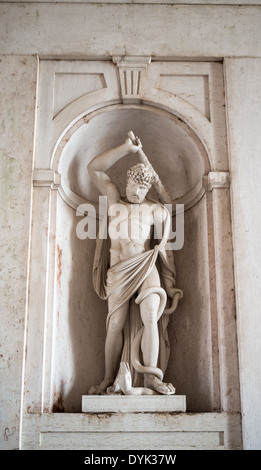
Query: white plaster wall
{"x": 17, "y": 103}
{"x": 85, "y": 30}
{"x": 244, "y": 123}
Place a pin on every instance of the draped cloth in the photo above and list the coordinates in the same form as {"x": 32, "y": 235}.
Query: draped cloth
{"x": 120, "y": 284}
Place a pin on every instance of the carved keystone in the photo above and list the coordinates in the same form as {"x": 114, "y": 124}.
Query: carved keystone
{"x": 132, "y": 71}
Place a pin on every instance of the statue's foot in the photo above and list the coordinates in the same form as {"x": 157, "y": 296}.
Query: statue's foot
{"x": 101, "y": 388}
{"x": 154, "y": 383}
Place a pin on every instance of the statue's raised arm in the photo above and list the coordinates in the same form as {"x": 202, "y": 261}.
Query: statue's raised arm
{"x": 101, "y": 163}
{"x": 164, "y": 196}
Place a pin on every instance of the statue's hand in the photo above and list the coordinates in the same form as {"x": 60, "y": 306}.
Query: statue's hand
{"x": 171, "y": 290}
{"x": 176, "y": 295}
{"x": 175, "y": 291}
{"x": 133, "y": 143}
{"x": 133, "y": 147}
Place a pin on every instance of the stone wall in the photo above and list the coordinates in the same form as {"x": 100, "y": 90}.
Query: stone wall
{"x": 18, "y": 93}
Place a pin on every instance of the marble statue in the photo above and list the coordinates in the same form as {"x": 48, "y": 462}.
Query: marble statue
{"x": 141, "y": 294}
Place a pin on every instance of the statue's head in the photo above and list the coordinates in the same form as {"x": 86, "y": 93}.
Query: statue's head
{"x": 139, "y": 180}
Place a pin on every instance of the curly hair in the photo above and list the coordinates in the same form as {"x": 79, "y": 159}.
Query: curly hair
{"x": 141, "y": 174}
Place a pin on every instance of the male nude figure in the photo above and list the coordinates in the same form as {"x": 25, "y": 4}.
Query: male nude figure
{"x": 134, "y": 239}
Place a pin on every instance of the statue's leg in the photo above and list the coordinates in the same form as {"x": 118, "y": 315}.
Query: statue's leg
{"x": 150, "y": 341}
{"x": 113, "y": 348}
{"x": 114, "y": 340}
{"x": 149, "y": 310}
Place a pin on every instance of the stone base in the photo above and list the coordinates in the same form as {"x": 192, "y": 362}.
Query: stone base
{"x": 128, "y": 431}
{"x": 133, "y": 404}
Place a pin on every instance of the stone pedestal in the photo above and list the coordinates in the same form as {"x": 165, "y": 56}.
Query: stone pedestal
{"x": 133, "y": 404}
{"x": 128, "y": 431}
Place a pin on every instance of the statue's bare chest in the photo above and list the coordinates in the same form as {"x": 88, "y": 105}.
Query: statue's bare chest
{"x": 131, "y": 221}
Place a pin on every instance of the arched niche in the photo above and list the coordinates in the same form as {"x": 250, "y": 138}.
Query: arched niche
{"x": 180, "y": 159}
{"x": 174, "y": 150}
